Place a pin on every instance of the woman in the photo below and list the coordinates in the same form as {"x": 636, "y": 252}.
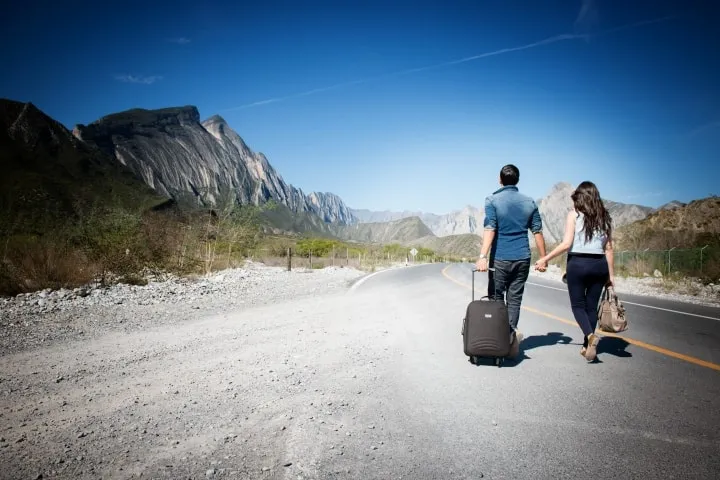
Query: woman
{"x": 590, "y": 266}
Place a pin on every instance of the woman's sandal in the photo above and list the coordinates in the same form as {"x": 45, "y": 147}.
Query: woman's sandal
{"x": 591, "y": 351}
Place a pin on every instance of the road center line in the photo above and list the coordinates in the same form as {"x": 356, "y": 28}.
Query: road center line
{"x": 654, "y": 348}
{"x": 633, "y": 303}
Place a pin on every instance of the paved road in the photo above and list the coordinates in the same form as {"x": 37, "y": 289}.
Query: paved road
{"x": 366, "y": 384}
{"x": 638, "y": 413}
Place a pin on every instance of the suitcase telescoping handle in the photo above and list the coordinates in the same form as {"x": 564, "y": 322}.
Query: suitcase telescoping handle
{"x": 473, "y": 282}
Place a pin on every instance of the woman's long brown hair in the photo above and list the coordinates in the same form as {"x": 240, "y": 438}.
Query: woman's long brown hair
{"x": 586, "y": 199}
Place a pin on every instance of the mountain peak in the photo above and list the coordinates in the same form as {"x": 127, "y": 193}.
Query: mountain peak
{"x": 672, "y": 204}
{"x": 561, "y": 186}
{"x": 24, "y": 121}
{"x": 215, "y": 119}
{"x": 141, "y": 117}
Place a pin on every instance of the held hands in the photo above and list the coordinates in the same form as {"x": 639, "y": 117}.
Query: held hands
{"x": 541, "y": 265}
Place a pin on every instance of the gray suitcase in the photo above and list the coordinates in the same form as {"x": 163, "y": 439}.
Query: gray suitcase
{"x": 486, "y": 331}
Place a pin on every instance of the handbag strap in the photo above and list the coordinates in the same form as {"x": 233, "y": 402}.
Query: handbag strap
{"x": 606, "y": 293}
{"x": 612, "y": 296}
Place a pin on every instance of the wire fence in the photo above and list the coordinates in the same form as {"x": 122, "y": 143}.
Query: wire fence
{"x": 340, "y": 257}
{"x": 702, "y": 262}
{"x": 676, "y": 261}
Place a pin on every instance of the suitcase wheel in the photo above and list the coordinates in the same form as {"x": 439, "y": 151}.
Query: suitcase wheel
{"x": 499, "y": 361}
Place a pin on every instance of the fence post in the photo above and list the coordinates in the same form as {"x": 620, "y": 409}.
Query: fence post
{"x": 668, "y": 260}
{"x": 289, "y": 255}
{"x": 701, "y": 258}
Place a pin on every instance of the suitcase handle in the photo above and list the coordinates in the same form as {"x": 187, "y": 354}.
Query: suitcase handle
{"x": 473, "y": 283}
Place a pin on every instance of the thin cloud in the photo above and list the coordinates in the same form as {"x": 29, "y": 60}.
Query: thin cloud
{"x": 708, "y": 127}
{"x": 179, "y": 40}
{"x": 547, "y": 41}
{"x": 588, "y": 17}
{"x": 140, "y": 79}
{"x": 644, "y": 195}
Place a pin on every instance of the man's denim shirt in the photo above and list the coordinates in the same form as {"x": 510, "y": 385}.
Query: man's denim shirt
{"x": 511, "y": 214}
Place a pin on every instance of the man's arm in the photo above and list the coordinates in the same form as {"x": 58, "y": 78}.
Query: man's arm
{"x": 536, "y": 228}
{"x": 490, "y": 226}
{"x": 540, "y": 242}
{"x": 488, "y": 237}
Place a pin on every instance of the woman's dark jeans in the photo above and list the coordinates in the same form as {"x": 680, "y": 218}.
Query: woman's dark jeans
{"x": 586, "y": 276}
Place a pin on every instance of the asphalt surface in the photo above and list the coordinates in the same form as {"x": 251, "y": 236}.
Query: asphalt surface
{"x": 649, "y": 408}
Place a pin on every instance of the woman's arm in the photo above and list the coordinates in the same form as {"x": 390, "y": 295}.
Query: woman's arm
{"x": 567, "y": 239}
{"x": 610, "y": 256}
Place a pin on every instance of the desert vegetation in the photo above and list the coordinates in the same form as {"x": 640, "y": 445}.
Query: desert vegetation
{"x": 109, "y": 243}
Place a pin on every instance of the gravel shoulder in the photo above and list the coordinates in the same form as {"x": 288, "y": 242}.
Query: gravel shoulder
{"x": 47, "y": 317}
{"x": 206, "y": 377}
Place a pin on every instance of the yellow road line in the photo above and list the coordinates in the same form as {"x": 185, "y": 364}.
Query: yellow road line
{"x": 632, "y": 341}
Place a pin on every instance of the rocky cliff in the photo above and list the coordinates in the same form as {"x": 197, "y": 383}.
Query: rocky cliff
{"x": 555, "y": 206}
{"x": 204, "y": 162}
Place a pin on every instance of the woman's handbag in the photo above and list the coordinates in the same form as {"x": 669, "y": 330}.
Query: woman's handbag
{"x": 611, "y": 312}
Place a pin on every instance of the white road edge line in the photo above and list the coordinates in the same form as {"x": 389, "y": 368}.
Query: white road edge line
{"x": 636, "y": 304}
{"x": 368, "y": 277}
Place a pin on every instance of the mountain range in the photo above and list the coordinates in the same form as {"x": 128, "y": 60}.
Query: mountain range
{"x": 553, "y": 208}
{"x": 172, "y": 154}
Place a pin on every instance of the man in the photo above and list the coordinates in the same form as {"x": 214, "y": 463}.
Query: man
{"x": 508, "y": 216}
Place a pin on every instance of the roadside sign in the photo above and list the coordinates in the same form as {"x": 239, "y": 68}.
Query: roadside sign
{"x": 413, "y": 252}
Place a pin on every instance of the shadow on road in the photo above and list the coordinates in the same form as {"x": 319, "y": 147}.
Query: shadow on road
{"x": 610, "y": 345}
{"x": 552, "y": 338}
{"x": 613, "y": 346}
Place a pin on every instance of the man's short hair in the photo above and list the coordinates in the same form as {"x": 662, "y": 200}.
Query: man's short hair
{"x": 509, "y": 175}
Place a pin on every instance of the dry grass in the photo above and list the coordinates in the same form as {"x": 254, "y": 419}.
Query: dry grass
{"x": 115, "y": 245}
{"x": 364, "y": 263}
{"x": 118, "y": 245}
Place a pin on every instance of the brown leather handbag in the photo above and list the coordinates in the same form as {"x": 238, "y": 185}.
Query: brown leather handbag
{"x": 611, "y": 312}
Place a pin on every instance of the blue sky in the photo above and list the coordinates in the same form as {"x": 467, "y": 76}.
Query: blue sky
{"x": 635, "y": 109}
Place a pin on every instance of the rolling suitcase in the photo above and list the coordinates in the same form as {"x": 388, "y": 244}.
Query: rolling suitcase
{"x": 486, "y": 331}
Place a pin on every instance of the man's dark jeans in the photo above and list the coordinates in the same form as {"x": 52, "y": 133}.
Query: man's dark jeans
{"x": 507, "y": 283}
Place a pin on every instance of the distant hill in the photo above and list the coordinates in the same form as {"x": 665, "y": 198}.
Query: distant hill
{"x": 369, "y": 216}
{"x": 396, "y": 231}
{"x": 410, "y": 232}
{"x": 463, "y": 245}
{"x": 683, "y": 225}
